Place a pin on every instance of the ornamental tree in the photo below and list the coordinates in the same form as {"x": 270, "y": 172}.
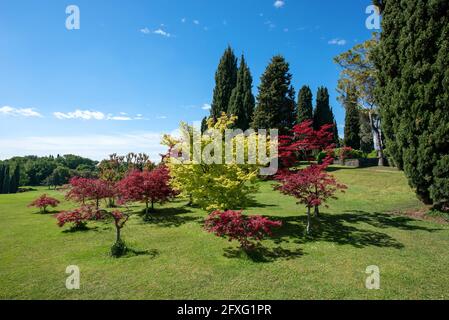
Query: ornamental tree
{"x": 149, "y": 187}
{"x": 302, "y": 140}
{"x": 43, "y": 202}
{"x": 236, "y": 226}
{"x": 312, "y": 187}
{"x": 85, "y": 189}
{"x": 120, "y": 219}
{"x": 211, "y": 186}
{"x": 78, "y": 217}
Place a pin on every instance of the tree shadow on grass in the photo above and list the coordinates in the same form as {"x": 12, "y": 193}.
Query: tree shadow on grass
{"x": 81, "y": 229}
{"x": 345, "y": 229}
{"x": 130, "y": 253}
{"x": 169, "y": 217}
{"x": 263, "y": 255}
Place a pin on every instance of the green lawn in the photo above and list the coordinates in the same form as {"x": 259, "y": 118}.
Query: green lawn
{"x": 175, "y": 259}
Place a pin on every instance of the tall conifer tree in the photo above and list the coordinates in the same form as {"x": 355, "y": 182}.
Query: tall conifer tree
{"x": 225, "y": 82}
{"x": 352, "y": 119}
{"x": 276, "y": 108}
{"x": 242, "y": 100}
{"x": 305, "y": 104}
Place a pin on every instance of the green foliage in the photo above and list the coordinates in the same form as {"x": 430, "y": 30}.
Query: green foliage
{"x": 276, "y": 108}
{"x": 119, "y": 249}
{"x": 412, "y": 61}
{"x": 352, "y": 119}
{"x": 242, "y": 101}
{"x": 225, "y": 82}
{"x": 349, "y": 153}
{"x": 6, "y": 185}
{"x": 366, "y": 133}
{"x": 323, "y": 114}
{"x": 305, "y": 105}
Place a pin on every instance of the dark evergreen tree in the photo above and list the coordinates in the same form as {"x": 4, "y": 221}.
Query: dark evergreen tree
{"x": 6, "y": 180}
{"x": 352, "y": 119}
{"x": 225, "y": 82}
{"x": 276, "y": 108}
{"x": 242, "y": 100}
{"x": 204, "y": 125}
{"x": 2, "y": 176}
{"x": 412, "y": 61}
{"x": 15, "y": 180}
{"x": 323, "y": 113}
{"x": 305, "y": 104}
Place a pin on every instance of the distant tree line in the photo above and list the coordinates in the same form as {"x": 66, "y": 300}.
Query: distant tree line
{"x": 37, "y": 171}
{"x": 275, "y": 106}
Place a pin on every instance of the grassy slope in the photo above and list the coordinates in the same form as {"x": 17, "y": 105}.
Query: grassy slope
{"x": 175, "y": 258}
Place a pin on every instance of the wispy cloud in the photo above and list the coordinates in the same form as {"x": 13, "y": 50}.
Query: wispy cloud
{"x": 206, "y": 106}
{"x": 196, "y": 22}
{"x": 159, "y": 31}
{"x": 279, "y": 4}
{"x": 19, "y": 112}
{"x": 96, "y": 147}
{"x": 337, "y": 42}
{"x": 161, "y": 117}
{"x": 94, "y": 115}
{"x": 183, "y": 20}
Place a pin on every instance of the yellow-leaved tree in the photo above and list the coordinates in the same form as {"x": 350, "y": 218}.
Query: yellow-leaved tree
{"x": 214, "y": 169}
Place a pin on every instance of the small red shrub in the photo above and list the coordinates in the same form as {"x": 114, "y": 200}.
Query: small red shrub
{"x": 235, "y": 226}
{"x": 43, "y": 202}
{"x": 79, "y": 217}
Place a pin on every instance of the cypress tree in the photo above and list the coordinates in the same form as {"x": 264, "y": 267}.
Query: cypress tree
{"x": 15, "y": 180}
{"x": 6, "y": 181}
{"x": 412, "y": 61}
{"x": 225, "y": 82}
{"x": 204, "y": 125}
{"x": 305, "y": 104}
{"x": 242, "y": 100}
{"x": 352, "y": 119}
{"x": 2, "y": 176}
{"x": 276, "y": 108}
{"x": 323, "y": 113}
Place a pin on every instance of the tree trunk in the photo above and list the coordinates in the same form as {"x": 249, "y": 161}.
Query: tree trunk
{"x": 378, "y": 138}
{"x": 308, "y": 220}
{"x": 97, "y": 203}
{"x": 117, "y": 239}
{"x": 317, "y": 211}
{"x": 146, "y": 208}
{"x": 152, "y": 205}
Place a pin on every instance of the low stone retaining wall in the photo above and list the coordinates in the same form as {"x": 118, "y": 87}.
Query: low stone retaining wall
{"x": 358, "y": 163}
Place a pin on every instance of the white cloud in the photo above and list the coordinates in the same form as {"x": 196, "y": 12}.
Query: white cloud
{"x": 120, "y": 118}
{"x": 183, "y": 20}
{"x": 196, "y": 22}
{"x": 337, "y": 41}
{"x": 161, "y": 117}
{"x": 96, "y": 147}
{"x": 158, "y": 32}
{"x": 279, "y": 4}
{"x": 206, "y": 106}
{"x": 81, "y": 114}
{"x": 162, "y": 33}
{"x": 19, "y": 112}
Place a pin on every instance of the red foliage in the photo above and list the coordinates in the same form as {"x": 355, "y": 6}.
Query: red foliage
{"x": 345, "y": 153}
{"x": 43, "y": 202}
{"x": 302, "y": 140}
{"x": 146, "y": 186}
{"x": 311, "y": 186}
{"x": 84, "y": 189}
{"x": 78, "y": 217}
{"x": 235, "y": 226}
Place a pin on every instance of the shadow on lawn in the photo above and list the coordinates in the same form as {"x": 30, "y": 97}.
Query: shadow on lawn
{"x": 262, "y": 254}
{"x": 341, "y": 229}
{"x": 169, "y": 217}
{"x": 130, "y": 253}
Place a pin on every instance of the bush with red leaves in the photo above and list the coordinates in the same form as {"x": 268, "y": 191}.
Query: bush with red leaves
{"x": 84, "y": 189}
{"x": 236, "y": 226}
{"x": 43, "y": 202}
{"x": 312, "y": 187}
{"x": 146, "y": 186}
{"x": 78, "y": 217}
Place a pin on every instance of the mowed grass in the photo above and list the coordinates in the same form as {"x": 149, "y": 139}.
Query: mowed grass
{"x": 174, "y": 258}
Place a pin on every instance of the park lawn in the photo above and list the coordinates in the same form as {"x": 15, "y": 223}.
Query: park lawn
{"x": 174, "y": 258}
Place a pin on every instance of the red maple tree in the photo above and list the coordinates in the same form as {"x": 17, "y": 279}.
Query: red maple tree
{"x": 302, "y": 141}
{"x": 78, "y": 217}
{"x": 312, "y": 187}
{"x": 43, "y": 202}
{"x": 149, "y": 187}
{"x": 85, "y": 189}
{"x": 236, "y": 226}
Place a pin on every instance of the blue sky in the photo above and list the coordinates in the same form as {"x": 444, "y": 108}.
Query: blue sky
{"x": 135, "y": 69}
